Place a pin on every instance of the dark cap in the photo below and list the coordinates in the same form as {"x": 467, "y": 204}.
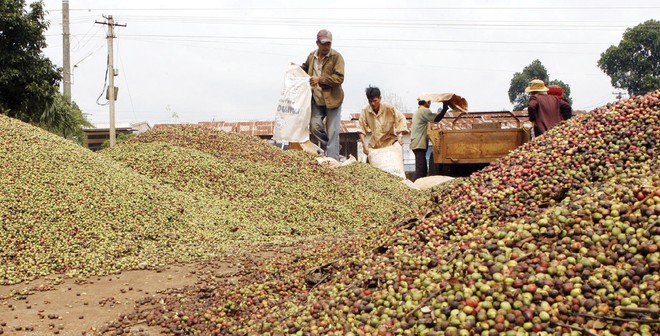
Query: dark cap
{"x": 324, "y": 36}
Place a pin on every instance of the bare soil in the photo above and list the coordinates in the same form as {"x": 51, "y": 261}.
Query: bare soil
{"x": 57, "y": 306}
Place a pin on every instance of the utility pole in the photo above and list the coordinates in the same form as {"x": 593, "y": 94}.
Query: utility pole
{"x": 111, "y": 75}
{"x": 618, "y": 94}
{"x": 66, "y": 52}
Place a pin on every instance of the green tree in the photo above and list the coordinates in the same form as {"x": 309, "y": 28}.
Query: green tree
{"x": 634, "y": 65}
{"x": 517, "y": 95}
{"x": 64, "y": 119}
{"x": 566, "y": 87}
{"x": 28, "y": 80}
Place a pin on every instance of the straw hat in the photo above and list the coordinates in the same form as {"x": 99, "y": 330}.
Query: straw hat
{"x": 536, "y": 85}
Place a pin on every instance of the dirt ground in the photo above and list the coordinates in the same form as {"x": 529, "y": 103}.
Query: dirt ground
{"x": 56, "y": 306}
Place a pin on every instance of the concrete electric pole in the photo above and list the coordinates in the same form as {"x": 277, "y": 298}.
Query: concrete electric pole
{"x": 66, "y": 52}
{"x": 111, "y": 75}
{"x": 618, "y": 95}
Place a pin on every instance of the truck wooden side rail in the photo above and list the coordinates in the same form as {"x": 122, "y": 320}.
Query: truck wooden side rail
{"x": 476, "y": 137}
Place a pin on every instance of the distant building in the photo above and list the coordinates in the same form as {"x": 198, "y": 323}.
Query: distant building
{"x": 348, "y": 134}
{"x": 95, "y": 136}
{"x": 349, "y": 138}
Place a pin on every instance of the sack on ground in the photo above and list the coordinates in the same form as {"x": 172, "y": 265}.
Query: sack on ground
{"x": 429, "y": 182}
{"x": 389, "y": 159}
{"x": 294, "y": 108}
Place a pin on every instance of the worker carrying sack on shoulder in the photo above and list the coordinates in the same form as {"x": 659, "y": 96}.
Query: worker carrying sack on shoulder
{"x": 389, "y": 159}
{"x": 294, "y": 108}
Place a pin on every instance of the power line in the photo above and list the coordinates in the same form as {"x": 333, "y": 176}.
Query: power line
{"x": 291, "y": 21}
{"x": 377, "y": 40}
{"x": 126, "y": 81}
{"x": 188, "y": 42}
{"x": 488, "y": 69}
{"x": 373, "y": 23}
{"x": 363, "y": 8}
{"x": 90, "y": 54}
{"x": 618, "y": 94}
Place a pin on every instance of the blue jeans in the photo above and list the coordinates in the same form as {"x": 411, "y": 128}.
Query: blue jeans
{"x": 327, "y": 133}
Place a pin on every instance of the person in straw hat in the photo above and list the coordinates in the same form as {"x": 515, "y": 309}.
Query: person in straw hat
{"x": 545, "y": 111}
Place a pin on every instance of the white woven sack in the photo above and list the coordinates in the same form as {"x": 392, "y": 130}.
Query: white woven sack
{"x": 294, "y": 108}
{"x": 389, "y": 159}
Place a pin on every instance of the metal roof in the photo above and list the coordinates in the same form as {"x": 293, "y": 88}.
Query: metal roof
{"x": 265, "y": 128}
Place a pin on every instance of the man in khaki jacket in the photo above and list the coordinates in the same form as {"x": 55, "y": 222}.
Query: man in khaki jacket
{"x": 326, "y": 69}
{"x": 386, "y": 123}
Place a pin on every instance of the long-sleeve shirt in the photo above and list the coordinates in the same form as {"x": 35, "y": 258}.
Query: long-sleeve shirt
{"x": 546, "y": 111}
{"x": 331, "y": 77}
{"x": 419, "y": 138}
{"x": 384, "y": 125}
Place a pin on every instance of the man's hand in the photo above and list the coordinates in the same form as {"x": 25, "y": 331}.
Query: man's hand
{"x": 365, "y": 149}
{"x": 445, "y": 106}
{"x": 441, "y": 114}
{"x": 314, "y": 80}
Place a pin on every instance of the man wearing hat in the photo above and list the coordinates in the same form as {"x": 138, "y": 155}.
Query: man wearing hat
{"x": 545, "y": 110}
{"x": 325, "y": 66}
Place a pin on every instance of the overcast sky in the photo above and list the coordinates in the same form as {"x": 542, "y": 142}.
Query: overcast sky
{"x": 200, "y": 60}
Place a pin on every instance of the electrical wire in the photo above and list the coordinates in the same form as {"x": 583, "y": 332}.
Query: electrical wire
{"x": 98, "y": 47}
{"x": 375, "y": 40}
{"x": 380, "y": 23}
{"x": 478, "y": 25}
{"x": 126, "y": 81}
{"x": 360, "y": 8}
{"x": 223, "y": 41}
{"x": 105, "y": 85}
{"x": 88, "y": 36}
{"x": 208, "y": 44}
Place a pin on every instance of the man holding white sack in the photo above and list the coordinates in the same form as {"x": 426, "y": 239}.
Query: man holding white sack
{"x": 325, "y": 67}
{"x": 387, "y": 126}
